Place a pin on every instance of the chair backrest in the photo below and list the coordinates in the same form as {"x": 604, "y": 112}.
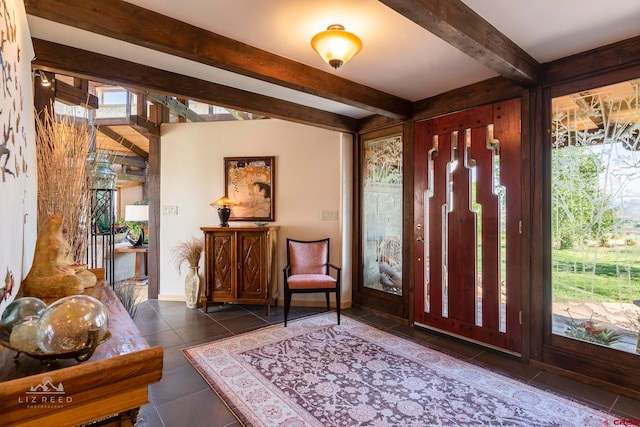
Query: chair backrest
{"x": 308, "y": 257}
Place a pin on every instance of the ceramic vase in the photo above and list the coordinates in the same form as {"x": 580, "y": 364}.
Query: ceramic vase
{"x": 192, "y": 287}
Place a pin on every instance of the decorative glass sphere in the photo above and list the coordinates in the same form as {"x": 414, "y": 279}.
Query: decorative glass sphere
{"x": 20, "y": 309}
{"x": 23, "y": 336}
{"x": 64, "y": 326}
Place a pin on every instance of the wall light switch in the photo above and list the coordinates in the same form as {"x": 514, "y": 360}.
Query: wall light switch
{"x": 329, "y": 215}
{"x": 169, "y": 210}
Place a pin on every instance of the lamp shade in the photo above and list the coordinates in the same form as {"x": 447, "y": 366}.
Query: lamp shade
{"x": 223, "y": 202}
{"x": 133, "y": 214}
{"x": 136, "y": 213}
{"x": 335, "y": 45}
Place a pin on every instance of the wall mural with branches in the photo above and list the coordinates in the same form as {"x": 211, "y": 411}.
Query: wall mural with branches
{"x": 17, "y": 150}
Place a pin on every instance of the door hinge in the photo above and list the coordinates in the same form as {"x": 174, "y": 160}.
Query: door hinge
{"x": 520, "y": 227}
{"x": 520, "y": 126}
{"x": 520, "y": 316}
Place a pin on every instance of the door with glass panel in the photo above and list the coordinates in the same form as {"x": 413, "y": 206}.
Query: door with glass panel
{"x": 595, "y": 219}
{"x": 467, "y": 229}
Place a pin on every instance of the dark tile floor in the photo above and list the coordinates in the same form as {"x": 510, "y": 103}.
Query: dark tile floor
{"x": 183, "y": 398}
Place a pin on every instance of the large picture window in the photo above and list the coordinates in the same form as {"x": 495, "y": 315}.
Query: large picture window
{"x": 596, "y": 216}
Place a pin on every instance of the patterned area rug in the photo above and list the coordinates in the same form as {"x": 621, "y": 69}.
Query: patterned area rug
{"x": 316, "y": 373}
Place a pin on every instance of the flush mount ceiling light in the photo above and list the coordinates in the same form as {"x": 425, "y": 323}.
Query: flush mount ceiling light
{"x": 335, "y": 45}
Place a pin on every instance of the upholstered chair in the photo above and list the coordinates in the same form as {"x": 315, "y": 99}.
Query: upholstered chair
{"x": 308, "y": 271}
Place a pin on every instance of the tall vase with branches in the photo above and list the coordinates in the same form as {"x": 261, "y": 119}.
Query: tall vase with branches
{"x": 62, "y": 144}
{"x": 189, "y": 252}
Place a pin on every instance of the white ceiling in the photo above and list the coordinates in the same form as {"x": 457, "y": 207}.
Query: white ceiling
{"x": 399, "y": 57}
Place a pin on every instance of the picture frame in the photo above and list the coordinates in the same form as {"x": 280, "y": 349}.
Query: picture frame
{"x": 250, "y": 183}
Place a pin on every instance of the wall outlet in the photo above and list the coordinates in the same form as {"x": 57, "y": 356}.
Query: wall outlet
{"x": 329, "y": 215}
{"x": 169, "y": 210}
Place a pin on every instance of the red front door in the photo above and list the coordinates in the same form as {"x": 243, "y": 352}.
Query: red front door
{"x": 467, "y": 224}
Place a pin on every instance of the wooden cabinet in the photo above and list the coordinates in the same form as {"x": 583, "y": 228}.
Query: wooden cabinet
{"x": 240, "y": 265}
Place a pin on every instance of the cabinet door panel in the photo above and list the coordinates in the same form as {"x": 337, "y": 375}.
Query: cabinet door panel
{"x": 251, "y": 253}
{"x": 221, "y": 263}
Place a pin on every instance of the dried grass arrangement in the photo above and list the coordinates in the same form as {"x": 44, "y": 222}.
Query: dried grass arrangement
{"x": 129, "y": 295}
{"x": 63, "y": 185}
{"x": 188, "y": 251}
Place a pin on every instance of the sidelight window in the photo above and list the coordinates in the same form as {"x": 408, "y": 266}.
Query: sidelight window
{"x": 382, "y": 214}
{"x": 596, "y": 216}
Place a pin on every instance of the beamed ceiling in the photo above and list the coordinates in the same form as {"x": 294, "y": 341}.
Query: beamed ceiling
{"x": 255, "y": 56}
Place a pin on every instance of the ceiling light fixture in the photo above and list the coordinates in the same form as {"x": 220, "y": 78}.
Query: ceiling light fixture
{"x": 335, "y": 45}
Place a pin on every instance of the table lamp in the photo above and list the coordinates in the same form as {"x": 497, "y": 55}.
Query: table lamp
{"x": 136, "y": 213}
{"x": 223, "y": 204}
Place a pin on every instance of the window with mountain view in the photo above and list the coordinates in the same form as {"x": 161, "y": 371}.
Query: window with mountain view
{"x": 596, "y": 216}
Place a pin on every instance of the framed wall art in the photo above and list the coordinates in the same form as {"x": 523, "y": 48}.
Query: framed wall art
{"x": 250, "y": 183}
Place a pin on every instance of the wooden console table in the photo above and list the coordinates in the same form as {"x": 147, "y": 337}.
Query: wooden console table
{"x": 141, "y": 263}
{"x": 240, "y": 265}
{"x": 111, "y": 385}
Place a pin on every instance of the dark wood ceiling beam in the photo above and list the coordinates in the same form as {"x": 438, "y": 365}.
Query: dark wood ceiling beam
{"x": 614, "y": 62}
{"x": 72, "y": 95}
{"x": 81, "y": 63}
{"x": 484, "y": 92}
{"x": 457, "y": 24}
{"x": 376, "y": 122}
{"x": 135, "y": 162}
{"x": 130, "y": 23}
{"x": 145, "y": 126}
{"x": 120, "y": 139}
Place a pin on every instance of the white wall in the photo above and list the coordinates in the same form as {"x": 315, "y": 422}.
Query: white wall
{"x": 128, "y": 196}
{"x": 309, "y": 177}
{"x": 18, "y": 182}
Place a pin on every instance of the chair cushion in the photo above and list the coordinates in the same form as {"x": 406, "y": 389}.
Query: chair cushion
{"x": 308, "y": 258}
{"x": 311, "y": 281}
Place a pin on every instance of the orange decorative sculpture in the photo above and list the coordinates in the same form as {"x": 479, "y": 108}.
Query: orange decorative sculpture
{"x": 54, "y": 272}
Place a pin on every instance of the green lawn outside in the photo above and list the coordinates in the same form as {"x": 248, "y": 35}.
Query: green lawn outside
{"x": 616, "y": 277}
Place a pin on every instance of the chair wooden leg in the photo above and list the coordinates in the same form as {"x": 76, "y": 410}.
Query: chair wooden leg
{"x": 328, "y": 305}
{"x": 338, "y": 304}
{"x": 287, "y": 305}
